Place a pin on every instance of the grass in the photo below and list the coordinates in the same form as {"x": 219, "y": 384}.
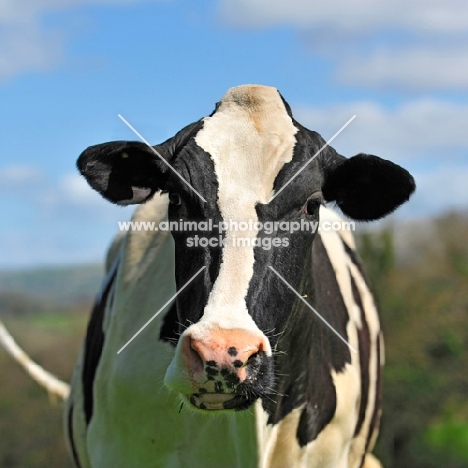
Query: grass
{"x": 31, "y": 433}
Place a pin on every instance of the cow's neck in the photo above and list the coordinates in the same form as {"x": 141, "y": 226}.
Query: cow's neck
{"x": 307, "y": 351}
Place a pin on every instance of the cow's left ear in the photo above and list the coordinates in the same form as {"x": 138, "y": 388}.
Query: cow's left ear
{"x": 123, "y": 172}
{"x": 366, "y": 187}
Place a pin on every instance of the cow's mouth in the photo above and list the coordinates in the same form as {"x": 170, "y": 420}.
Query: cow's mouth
{"x": 219, "y": 401}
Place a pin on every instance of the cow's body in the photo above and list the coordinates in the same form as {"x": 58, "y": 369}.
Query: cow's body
{"x": 135, "y": 421}
{"x": 288, "y": 392}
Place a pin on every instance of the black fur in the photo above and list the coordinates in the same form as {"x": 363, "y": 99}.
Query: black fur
{"x": 375, "y": 421}
{"x": 366, "y": 187}
{"x": 364, "y": 357}
{"x": 197, "y": 168}
{"x": 353, "y": 255}
{"x": 306, "y": 352}
{"x": 130, "y": 172}
{"x": 75, "y": 456}
{"x": 114, "y": 169}
{"x": 94, "y": 343}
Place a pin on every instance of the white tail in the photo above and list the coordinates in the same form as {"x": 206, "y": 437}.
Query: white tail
{"x": 45, "y": 379}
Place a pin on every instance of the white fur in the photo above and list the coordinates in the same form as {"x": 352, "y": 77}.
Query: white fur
{"x": 343, "y": 267}
{"x": 136, "y": 420}
{"x": 335, "y": 446}
{"x": 249, "y": 138}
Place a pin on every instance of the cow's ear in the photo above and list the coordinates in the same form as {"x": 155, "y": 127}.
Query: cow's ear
{"x": 123, "y": 172}
{"x": 366, "y": 187}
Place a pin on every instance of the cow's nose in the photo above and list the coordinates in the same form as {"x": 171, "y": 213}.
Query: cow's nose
{"x": 221, "y": 351}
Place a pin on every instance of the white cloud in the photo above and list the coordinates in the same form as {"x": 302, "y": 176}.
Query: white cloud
{"x": 425, "y": 128}
{"x": 25, "y": 43}
{"x": 414, "y": 68}
{"x": 19, "y": 10}
{"x": 67, "y": 221}
{"x": 53, "y": 244}
{"x": 407, "y": 44}
{"x": 72, "y": 199}
{"x": 26, "y": 47}
{"x": 75, "y": 190}
{"x": 71, "y": 190}
{"x": 53, "y": 221}
{"x": 357, "y": 17}
{"x": 15, "y": 178}
{"x": 439, "y": 190}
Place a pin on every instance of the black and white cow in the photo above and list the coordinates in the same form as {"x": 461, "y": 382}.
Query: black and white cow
{"x": 256, "y": 378}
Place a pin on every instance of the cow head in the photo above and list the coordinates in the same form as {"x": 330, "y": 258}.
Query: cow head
{"x": 232, "y": 314}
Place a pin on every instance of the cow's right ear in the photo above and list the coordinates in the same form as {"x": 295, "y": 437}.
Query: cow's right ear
{"x": 123, "y": 172}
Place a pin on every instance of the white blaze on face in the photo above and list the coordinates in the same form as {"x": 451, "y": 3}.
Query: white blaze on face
{"x": 249, "y": 138}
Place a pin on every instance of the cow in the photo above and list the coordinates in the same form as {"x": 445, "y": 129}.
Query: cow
{"x": 268, "y": 353}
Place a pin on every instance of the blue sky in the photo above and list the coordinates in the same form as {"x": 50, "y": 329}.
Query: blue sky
{"x": 68, "y": 67}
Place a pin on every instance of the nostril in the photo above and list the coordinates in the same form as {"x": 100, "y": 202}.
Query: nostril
{"x": 239, "y": 353}
{"x": 197, "y": 362}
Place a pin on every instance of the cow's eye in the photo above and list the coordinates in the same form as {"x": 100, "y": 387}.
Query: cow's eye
{"x": 313, "y": 203}
{"x": 174, "y": 198}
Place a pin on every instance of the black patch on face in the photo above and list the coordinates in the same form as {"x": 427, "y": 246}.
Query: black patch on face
{"x": 196, "y": 166}
{"x": 71, "y": 438}
{"x": 364, "y": 356}
{"x": 232, "y": 351}
{"x": 269, "y": 301}
{"x": 94, "y": 343}
{"x": 237, "y": 363}
{"x": 274, "y": 307}
{"x": 211, "y": 364}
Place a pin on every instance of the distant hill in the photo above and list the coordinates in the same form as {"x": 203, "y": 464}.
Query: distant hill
{"x": 39, "y": 289}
